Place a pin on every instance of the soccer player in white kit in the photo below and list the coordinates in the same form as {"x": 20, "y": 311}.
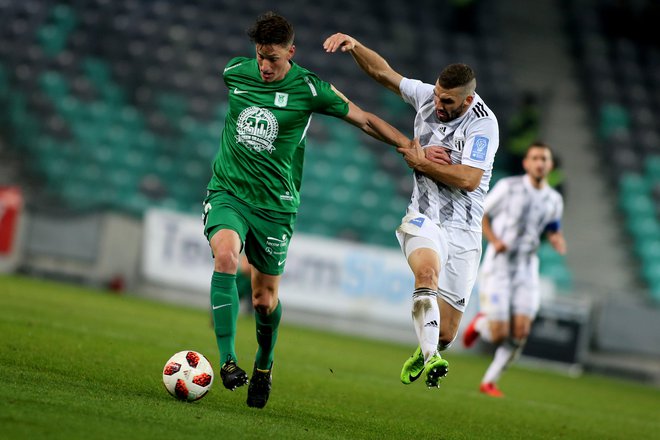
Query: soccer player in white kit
{"x": 441, "y": 232}
{"x": 518, "y": 211}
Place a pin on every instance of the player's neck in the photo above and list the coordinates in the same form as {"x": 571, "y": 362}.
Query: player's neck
{"x": 537, "y": 183}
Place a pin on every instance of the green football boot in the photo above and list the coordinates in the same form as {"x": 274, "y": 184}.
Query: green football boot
{"x": 413, "y": 367}
{"x": 436, "y": 368}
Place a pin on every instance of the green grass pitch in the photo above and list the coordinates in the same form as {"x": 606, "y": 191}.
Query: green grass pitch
{"x": 81, "y": 364}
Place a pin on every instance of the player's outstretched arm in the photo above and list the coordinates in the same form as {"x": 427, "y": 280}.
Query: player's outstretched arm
{"x": 377, "y": 128}
{"x": 371, "y": 62}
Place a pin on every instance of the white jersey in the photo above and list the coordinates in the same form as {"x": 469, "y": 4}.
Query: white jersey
{"x": 521, "y": 213}
{"x": 473, "y": 140}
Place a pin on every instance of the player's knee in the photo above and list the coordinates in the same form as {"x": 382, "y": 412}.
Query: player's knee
{"x": 499, "y": 334}
{"x": 264, "y": 299}
{"x": 225, "y": 261}
{"x": 427, "y": 276}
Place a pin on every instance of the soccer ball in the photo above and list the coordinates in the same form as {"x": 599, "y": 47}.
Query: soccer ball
{"x": 188, "y": 375}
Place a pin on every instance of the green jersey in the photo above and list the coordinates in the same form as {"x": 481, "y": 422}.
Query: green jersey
{"x": 260, "y": 160}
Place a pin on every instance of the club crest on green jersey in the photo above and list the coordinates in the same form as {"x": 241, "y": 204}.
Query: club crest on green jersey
{"x": 257, "y": 129}
{"x": 281, "y": 99}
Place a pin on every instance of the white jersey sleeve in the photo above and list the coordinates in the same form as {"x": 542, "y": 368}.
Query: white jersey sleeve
{"x": 557, "y": 210}
{"x": 496, "y": 198}
{"x": 415, "y": 92}
{"x": 481, "y": 144}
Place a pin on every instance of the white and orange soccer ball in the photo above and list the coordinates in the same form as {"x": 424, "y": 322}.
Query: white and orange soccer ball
{"x": 188, "y": 375}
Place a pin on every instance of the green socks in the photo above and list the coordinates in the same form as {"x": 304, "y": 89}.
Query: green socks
{"x": 267, "y": 326}
{"x": 224, "y": 306}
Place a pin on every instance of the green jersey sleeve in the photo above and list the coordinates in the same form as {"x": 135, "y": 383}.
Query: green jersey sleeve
{"x": 326, "y": 100}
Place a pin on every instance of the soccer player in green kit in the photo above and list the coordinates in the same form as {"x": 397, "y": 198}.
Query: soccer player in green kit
{"x": 253, "y": 194}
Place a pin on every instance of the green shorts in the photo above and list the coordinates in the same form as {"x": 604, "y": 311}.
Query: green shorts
{"x": 264, "y": 234}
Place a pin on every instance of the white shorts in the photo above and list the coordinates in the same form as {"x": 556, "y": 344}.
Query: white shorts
{"x": 509, "y": 287}
{"x": 459, "y": 251}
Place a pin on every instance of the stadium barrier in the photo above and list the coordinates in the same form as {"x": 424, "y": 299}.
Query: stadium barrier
{"x": 338, "y": 285}
{"x": 99, "y": 249}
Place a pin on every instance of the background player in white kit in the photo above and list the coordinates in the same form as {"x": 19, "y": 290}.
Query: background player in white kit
{"x": 518, "y": 211}
{"x": 441, "y": 232}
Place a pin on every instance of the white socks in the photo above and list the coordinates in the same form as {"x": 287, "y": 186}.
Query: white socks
{"x": 426, "y": 319}
{"x": 505, "y": 354}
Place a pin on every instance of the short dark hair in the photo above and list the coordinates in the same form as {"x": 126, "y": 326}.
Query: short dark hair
{"x": 538, "y": 144}
{"x": 455, "y": 75}
{"x": 271, "y": 29}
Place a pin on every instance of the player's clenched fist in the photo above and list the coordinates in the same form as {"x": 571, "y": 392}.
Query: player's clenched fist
{"x": 337, "y": 41}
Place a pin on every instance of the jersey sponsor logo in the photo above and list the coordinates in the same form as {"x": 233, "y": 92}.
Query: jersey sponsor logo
{"x": 239, "y": 92}
{"x": 281, "y": 99}
{"x": 276, "y": 246}
{"x": 479, "y": 148}
{"x": 257, "y": 129}
{"x": 287, "y": 197}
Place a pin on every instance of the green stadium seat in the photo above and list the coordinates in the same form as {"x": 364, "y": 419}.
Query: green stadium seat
{"x": 64, "y": 17}
{"x": 613, "y": 118}
{"x": 114, "y": 96}
{"x": 54, "y": 85}
{"x": 652, "y": 169}
{"x": 638, "y": 204}
{"x": 98, "y": 72}
{"x": 644, "y": 227}
{"x": 648, "y": 249}
{"x": 174, "y": 107}
{"x": 631, "y": 183}
{"x": 52, "y": 39}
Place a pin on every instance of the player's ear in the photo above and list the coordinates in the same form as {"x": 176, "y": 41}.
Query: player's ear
{"x": 469, "y": 99}
{"x": 292, "y": 51}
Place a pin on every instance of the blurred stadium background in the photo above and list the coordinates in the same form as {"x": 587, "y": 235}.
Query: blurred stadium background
{"x": 111, "y": 111}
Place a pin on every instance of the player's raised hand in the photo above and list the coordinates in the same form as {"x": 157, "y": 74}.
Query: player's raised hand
{"x": 438, "y": 155}
{"x": 339, "y": 41}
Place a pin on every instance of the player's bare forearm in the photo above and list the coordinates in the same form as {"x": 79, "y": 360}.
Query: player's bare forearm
{"x": 558, "y": 242}
{"x": 383, "y": 131}
{"x": 376, "y": 127}
{"x": 457, "y": 175}
{"x": 369, "y": 61}
{"x": 490, "y": 235}
{"x": 376, "y": 67}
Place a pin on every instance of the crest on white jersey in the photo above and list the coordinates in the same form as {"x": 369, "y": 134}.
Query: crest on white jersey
{"x": 257, "y": 129}
{"x": 281, "y": 99}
